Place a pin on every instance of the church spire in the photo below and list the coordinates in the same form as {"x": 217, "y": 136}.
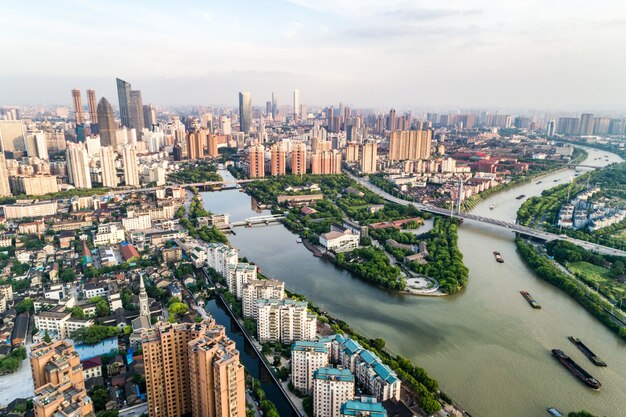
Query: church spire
{"x": 144, "y": 309}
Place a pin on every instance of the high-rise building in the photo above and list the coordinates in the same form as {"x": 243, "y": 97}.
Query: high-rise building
{"x": 256, "y": 161}
{"x": 352, "y": 152}
{"x": 149, "y": 116}
{"x": 306, "y": 358}
{"x": 260, "y": 289}
{"x": 77, "y": 161}
{"x": 326, "y": 162}
{"x": 363, "y": 407}
{"x": 245, "y": 112}
{"x": 78, "y": 106}
{"x": 107, "y": 166}
{"x": 551, "y": 128}
{"x": 284, "y": 321}
{"x": 586, "y": 124}
{"x": 136, "y": 111}
{"x": 296, "y": 104}
{"x": 298, "y": 159}
{"x": 410, "y": 144}
{"x": 195, "y": 143}
{"x": 211, "y": 145}
{"x": 106, "y": 124}
{"x": 36, "y": 145}
{"x": 601, "y": 125}
{"x": 59, "y": 381}
{"x": 331, "y": 388}
{"x": 5, "y": 189}
{"x": 278, "y": 159}
{"x": 274, "y": 106}
{"x": 92, "y": 105}
{"x": 12, "y": 135}
{"x": 131, "y": 168}
{"x": 330, "y": 119}
{"x": 568, "y": 126}
{"x": 123, "y": 95}
{"x": 192, "y": 368}
{"x": 392, "y": 121}
{"x": 369, "y": 156}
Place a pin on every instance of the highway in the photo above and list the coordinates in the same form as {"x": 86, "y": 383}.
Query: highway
{"x": 526, "y": 231}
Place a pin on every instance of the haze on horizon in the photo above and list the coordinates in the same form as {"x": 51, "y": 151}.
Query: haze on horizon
{"x": 558, "y": 55}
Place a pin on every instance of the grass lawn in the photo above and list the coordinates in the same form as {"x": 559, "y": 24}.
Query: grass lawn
{"x": 589, "y": 271}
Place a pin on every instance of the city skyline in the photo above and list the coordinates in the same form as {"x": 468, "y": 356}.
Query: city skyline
{"x": 387, "y": 54}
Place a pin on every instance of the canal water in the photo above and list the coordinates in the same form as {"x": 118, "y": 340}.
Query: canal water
{"x": 489, "y": 350}
{"x": 249, "y": 357}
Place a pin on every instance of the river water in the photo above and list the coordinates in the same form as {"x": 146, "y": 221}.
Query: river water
{"x": 487, "y": 348}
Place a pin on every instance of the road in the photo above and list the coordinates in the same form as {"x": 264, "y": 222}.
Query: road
{"x": 134, "y": 411}
{"x": 527, "y": 231}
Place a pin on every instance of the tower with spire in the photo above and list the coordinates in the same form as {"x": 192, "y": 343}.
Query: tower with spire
{"x": 144, "y": 308}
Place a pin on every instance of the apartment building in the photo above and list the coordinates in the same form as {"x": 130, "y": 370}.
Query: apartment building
{"x": 284, "y": 321}
{"x": 59, "y": 324}
{"x": 260, "y": 289}
{"x": 332, "y": 387}
{"x": 306, "y": 358}
{"x": 363, "y": 407}
{"x": 220, "y": 256}
{"x": 141, "y": 222}
{"x": 109, "y": 234}
{"x": 239, "y": 275}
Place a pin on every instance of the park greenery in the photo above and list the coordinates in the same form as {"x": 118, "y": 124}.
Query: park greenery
{"x": 194, "y": 172}
{"x": 11, "y": 362}
{"x": 546, "y": 269}
{"x": 94, "y": 334}
{"x": 599, "y": 272}
{"x": 197, "y": 210}
{"x": 373, "y": 265}
{"x": 26, "y": 305}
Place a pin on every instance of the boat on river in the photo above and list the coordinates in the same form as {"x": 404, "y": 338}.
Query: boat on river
{"x": 586, "y": 351}
{"x": 519, "y": 197}
{"x": 539, "y": 182}
{"x": 576, "y": 369}
{"x": 491, "y": 207}
{"x": 530, "y": 299}
{"x": 555, "y": 412}
{"x": 498, "y": 257}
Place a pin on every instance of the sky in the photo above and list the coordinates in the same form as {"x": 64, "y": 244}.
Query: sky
{"x": 553, "y": 55}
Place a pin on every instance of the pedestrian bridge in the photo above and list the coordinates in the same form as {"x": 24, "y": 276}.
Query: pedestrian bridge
{"x": 251, "y": 221}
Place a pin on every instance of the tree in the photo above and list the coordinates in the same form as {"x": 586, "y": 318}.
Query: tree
{"x": 25, "y": 305}
{"x": 94, "y": 334}
{"x": 178, "y": 309}
{"x": 582, "y": 413}
{"x": 108, "y": 413}
{"x": 77, "y": 312}
{"x": 378, "y": 344}
{"x": 46, "y": 337}
{"x": 100, "y": 396}
{"x": 67, "y": 275}
{"x": 102, "y": 306}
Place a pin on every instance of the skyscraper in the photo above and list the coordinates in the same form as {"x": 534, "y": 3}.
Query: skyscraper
{"x": 106, "y": 125}
{"x": 332, "y": 387}
{"x": 5, "y": 190}
{"x": 78, "y": 106}
{"x": 92, "y": 105}
{"x": 149, "y": 116}
{"x": 296, "y": 104}
{"x": 278, "y": 160}
{"x": 298, "y": 159}
{"x": 586, "y": 124}
{"x": 107, "y": 167}
{"x": 59, "y": 381}
{"x": 131, "y": 170}
{"x": 195, "y": 143}
{"x": 256, "y": 161}
{"x": 410, "y": 144}
{"x": 392, "y": 122}
{"x": 326, "y": 162}
{"x": 77, "y": 162}
{"x": 245, "y": 112}
{"x": 123, "y": 95}
{"x": 551, "y": 128}
{"x": 136, "y": 111}
{"x": 368, "y": 159}
{"x": 211, "y": 143}
{"x": 274, "y": 106}
{"x": 193, "y": 368}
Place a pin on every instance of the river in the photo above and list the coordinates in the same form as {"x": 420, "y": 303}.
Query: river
{"x": 487, "y": 348}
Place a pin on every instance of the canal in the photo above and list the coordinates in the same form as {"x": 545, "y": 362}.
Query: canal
{"x": 487, "y": 348}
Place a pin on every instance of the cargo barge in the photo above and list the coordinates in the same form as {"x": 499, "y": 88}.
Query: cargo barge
{"x": 530, "y": 299}
{"x": 498, "y": 257}
{"x": 586, "y": 351}
{"x": 576, "y": 369}
{"x": 519, "y": 197}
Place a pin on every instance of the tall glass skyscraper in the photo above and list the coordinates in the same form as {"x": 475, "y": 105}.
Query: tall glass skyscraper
{"x": 245, "y": 111}
{"x": 123, "y": 95}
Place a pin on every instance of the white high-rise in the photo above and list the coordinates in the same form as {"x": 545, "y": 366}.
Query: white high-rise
{"x": 107, "y": 165}
{"x": 77, "y": 162}
{"x": 296, "y": 103}
{"x": 306, "y": 358}
{"x": 5, "y": 190}
{"x": 331, "y": 388}
{"x": 131, "y": 170}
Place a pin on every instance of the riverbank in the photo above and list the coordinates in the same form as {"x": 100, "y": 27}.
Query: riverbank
{"x": 544, "y": 268}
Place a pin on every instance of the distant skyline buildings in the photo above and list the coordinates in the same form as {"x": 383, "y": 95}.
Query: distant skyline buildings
{"x": 245, "y": 111}
{"x": 123, "y": 96}
{"x": 107, "y": 125}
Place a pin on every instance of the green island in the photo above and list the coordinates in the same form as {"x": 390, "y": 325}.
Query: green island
{"x": 543, "y": 211}
{"x": 548, "y": 270}
{"x": 192, "y": 172}
{"x": 345, "y": 199}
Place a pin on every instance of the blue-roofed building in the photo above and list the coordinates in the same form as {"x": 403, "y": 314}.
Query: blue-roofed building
{"x": 306, "y": 358}
{"x": 332, "y": 387}
{"x": 363, "y": 407}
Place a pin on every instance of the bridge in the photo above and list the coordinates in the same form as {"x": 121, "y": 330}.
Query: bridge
{"x": 251, "y": 221}
{"x": 522, "y": 230}
{"x": 583, "y": 166}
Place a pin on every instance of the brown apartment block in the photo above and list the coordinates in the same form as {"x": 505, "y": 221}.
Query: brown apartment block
{"x": 410, "y": 144}
{"x": 279, "y": 159}
{"x": 256, "y": 161}
{"x": 59, "y": 383}
{"x": 326, "y": 162}
{"x": 193, "y": 368}
{"x": 298, "y": 159}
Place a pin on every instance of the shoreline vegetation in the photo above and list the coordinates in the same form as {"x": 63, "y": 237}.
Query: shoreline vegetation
{"x": 592, "y": 302}
{"x": 344, "y": 198}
